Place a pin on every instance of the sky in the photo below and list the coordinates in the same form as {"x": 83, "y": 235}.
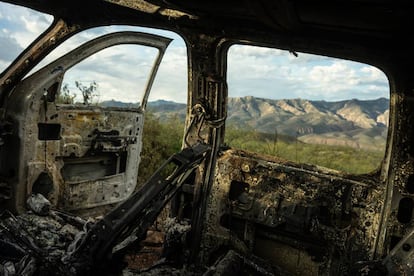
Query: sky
{"x": 121, "y": 72}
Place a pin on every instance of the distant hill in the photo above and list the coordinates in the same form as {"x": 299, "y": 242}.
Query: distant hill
{"x": 167, "y": 109}
{"x": 355, "y": 123}
{"x": 113, "y": 103}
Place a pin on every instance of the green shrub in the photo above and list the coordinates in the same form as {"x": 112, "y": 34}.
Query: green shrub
{"x": 346, "y": 159}
{"x": 160, "y": 141}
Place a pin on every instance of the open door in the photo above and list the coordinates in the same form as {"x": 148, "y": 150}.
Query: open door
{"x": 78, "y": 153}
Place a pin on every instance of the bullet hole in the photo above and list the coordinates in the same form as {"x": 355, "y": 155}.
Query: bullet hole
{"x": 225, "y": 221}
{"x": 406, "y": 247}
{"x": 409, "y": 186}
{"x": 237, "y": 188}
{"x": 405, "y": 210}
{"x": 394, "y": 241}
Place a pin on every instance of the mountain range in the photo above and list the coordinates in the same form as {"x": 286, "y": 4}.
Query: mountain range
{"x": 354, "y": 123}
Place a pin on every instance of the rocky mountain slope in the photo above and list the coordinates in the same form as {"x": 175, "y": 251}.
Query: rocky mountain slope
{"x": 355, "y": 123}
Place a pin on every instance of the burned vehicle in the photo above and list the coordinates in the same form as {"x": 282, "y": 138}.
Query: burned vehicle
{"x": 239, "y": 212}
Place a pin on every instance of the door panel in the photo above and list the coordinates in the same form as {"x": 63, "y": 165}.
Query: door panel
{"x": 77, "y": 155}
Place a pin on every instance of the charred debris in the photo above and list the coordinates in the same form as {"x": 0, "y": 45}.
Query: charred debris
{"x": 50, "y": 242}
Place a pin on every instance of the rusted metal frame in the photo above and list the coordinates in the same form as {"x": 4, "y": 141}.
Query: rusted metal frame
{"x": 151, "y": 78}
{"x": 58, "y": 32}
{"x": 400, "y": 260}
{"x": 387, "y": 177}
{"x": 397, "y": 155}
{"x": 207, "y": 76}
{"x": 196, "y": 63}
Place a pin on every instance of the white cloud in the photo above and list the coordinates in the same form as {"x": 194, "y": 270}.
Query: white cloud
{"x": 336, "y": 77}
{"x": 373, "y": 74}
{"x": 331, "y": 72}
{"x": 171, "y": 80}
{"x": 252, "y": 51}
{"x": 119, "y": 73}
{"x": 307, "y": 76}
{"x": 30, "y": 25}
{"x": 9, "y": 49}
{"x": 3, "y": 64}
{"x": 376, "y": 88}
{"x": 19, "y": 30}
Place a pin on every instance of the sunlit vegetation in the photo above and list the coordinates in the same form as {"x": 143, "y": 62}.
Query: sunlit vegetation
{"x": 162, "y": 139}
{"x": 340, "y": 158}
{"x": 88, "y": 92}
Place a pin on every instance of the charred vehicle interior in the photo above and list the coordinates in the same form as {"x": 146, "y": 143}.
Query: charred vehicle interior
{"x": 232, "y": 212}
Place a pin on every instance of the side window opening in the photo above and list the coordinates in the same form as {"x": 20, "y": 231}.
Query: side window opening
{"x": 171, "y": 81}
{"x": 115, "y": 76}
{"x": 307, "y": 109}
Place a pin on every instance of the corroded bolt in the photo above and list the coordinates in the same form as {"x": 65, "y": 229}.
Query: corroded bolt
{"x": 406, "y": 247}
{"x": 245, "y": 168}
